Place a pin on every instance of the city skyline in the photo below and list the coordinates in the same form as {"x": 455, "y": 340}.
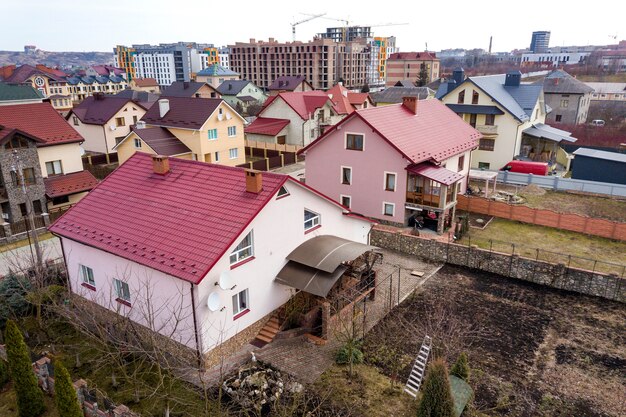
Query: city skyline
{"x": 94, "y": 27}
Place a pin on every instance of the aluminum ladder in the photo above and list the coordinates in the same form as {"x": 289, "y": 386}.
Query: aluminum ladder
{"x": 419, "y": 368}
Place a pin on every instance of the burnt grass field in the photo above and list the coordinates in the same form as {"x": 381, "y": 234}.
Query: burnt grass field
{"x": 533, "y": 351}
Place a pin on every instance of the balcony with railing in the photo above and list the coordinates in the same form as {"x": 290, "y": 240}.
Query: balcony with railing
{"x": 488, "y": 130}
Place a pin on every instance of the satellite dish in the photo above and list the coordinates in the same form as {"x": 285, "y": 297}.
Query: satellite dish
{"x": 214, "y": 301}
{"x": 226, "y": 281}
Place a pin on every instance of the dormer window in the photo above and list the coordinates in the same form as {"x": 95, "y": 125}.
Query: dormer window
{"x": 282, "y": 192}
{"x": 243, "y": 251}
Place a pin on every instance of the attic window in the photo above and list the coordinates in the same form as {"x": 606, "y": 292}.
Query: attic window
{"x": 282, "y": 192}
{"x": 461, "y": 98}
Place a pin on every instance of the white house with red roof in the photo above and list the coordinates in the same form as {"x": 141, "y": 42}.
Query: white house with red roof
{"x": 58, "y": 151}
{"x": 209, "y": 242}
{"x": 293, "y": 118}
{"x": 395, "y": 163}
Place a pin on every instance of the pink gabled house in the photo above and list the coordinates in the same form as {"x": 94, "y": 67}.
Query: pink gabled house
{"x": 395, "y": 163}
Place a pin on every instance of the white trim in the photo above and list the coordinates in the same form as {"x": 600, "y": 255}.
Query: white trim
{"x": 315, "y": 220}
{"x": 395, "y": 181}
{"x": 342, "y": 196}
{"x": 345, "y": 141}
{"x": 236, "y": 252}
{"x": 341, "y": 175}
{"x": 393, "y": 206}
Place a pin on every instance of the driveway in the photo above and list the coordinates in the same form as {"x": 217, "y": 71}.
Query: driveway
{"x": 22, "y": 257}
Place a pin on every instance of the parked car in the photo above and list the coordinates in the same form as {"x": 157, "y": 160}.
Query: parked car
{"x": 527, "y": 167}
{"x": 598, "y": 122}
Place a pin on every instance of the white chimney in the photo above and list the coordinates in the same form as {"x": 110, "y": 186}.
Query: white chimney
{"x": 164, "y": 107}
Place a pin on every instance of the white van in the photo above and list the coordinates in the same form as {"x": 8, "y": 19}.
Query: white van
{"x": 597, "y": 122}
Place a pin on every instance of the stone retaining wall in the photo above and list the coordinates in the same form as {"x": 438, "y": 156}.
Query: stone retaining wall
{"x": 609, "y": 286}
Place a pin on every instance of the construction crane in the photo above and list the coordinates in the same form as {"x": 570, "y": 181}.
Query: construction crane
{"x": 311, "y": 17}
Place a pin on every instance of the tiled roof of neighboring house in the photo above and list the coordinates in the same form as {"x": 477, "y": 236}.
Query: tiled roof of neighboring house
{"x": 189, "y": 217}
{"x": 434, "y": 85}
{"x": 10, "y": 131}
{"x": 40, "y": 120}
{"x": 287, "y": 83}
{"x": 435, "y": 173}
{"x": 405, "y": 83}
{"x": 144, "y": 98}
{"x": 232, "y": 87}
{"x": 76, "y": 182}
{"x": 595, "y": 153}
{"x": 339, "y": 97}
{"x": 52, "y": 71}
{"x": 358, "y": 98}
{"x": 302, "y": 102}
{"x": 518, "y": 100}
{"x": 183, "y": 89}
{"x": 434, "y": 133}
{"x": 560, "y": 82}
{"x": 162, "y": 141}
{"x": 99, "y": 109}
{"x": 57, "y": 96}
{"x": 24, "y": 72}
{"x": 266, "y": 126}
{"x": 146, "y": 82}
{"x": 247, "y": 99}
{"x": 217, "y": 70}
{"x": 413, "y": 55}
{"x": 11, "y": 92}
{"x": 185, "y": 112}
{"x": 107, "y": 69}
{"x": 608, "y": 88}
{"x": 395, "y": 94}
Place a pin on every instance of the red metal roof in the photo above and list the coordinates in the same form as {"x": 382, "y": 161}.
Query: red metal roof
{"x": 358, "y": 98}
{"x": 413, "y": 56}
{"x": 266, "y": 126}
{"x": 435, "y": 132}
{"x": 340, "y": 99}
{"x": 180, "y": 223}
{"x": 40, "y": 120}
{"x": 302, "y": 102}
{"x": 68, "y": 184}
{"x": 436, "y": 173}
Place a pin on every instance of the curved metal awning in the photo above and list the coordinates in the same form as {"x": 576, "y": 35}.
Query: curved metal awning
{"x": 309, "y": 279}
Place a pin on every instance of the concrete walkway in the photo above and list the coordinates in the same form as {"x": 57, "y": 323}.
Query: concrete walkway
{"x": 21, "y": 258}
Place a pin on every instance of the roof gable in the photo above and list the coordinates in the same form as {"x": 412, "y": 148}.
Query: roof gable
{"x": 100, "y": 109}
{"x": 304, "y": 103}
{"x": 184, "y": 89}
{"x": 232, "y": 87}
{"x": 40, "y": 120}
{"x": 184, "y": 113}
{"x": 288, "y": 82}
{"x": 216, "y": 70}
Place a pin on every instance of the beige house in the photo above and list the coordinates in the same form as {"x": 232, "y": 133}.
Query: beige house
{"x": 510, "y": 115}
{"x": 207, "y": 130}
{"x": 49, "y": 82}
{"x": 149, "y": 85}
{"x": 104, "y": 121}
{"x": 215, "y": 75}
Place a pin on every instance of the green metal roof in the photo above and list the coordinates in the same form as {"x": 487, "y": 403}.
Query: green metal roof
{"x": 11, "y": 92}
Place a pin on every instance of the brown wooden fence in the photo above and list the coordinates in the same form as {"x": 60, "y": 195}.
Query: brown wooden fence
{"x": 21, "y": 226}
{"x": 542, "y": 217}
{"x": 272, "y": 146}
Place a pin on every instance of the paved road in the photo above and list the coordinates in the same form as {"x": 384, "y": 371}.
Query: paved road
{"x": 21, "y": 258}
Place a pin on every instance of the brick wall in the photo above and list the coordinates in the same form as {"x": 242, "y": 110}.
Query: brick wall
{"x": 565, "y": 221}
{"x": 559, "y": 275}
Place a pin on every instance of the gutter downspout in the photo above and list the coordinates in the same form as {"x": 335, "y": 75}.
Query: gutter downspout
{"x": 195, "y": 326}
{"x": 106, "y": 145}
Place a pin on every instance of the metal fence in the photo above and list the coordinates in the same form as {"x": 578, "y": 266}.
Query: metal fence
{"x": 563, "y": 184}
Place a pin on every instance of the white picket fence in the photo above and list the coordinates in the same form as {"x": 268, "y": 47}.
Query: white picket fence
{"x": 563, "y": 184}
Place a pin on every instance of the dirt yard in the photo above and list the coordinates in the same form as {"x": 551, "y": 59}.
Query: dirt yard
{"x": 533, "y": 351}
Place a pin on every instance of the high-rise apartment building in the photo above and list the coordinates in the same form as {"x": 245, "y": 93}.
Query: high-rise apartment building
{"x": 540, "y": 41}
{"x": 347, "y": 33}
{"x": 166, "y": 62}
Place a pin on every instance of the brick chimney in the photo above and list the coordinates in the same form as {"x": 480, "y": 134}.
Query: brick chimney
{"x": 254, "y": 181}
{"x": 164, "y": 107}
{"x": 410, "y": 103}
{"x": 160, "y": 164}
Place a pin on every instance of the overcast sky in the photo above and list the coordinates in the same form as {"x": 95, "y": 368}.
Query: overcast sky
{"x": 87, "y": 25}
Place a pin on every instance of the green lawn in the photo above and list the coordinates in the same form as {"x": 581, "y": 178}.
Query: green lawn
{"x": 8, "y": 404}
{"x": 555, "y": 245}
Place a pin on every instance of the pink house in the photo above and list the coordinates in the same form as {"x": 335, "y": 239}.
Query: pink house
{"x": 194, "y": 251}
{"x": 395, "y": 163}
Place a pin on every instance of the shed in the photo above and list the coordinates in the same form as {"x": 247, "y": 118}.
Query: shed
{"x": 596, "y": 165}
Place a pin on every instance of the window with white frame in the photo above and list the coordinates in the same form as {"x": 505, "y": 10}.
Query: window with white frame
{"x": 311, "y": 219}
{"x": 54, "y": 168}
{"x": 122, "y": 290}
{"x": 232, "y": 131}
{"x": 216, "y": 157}
{"x": 87, "y": 275}
{"x": 240, "y": 302}
{"x": 346, "y": 175}
{"x": 233, "y": 153}
{"x": 346, "y": 200}
{"x": 244, "y": 250}
{"x": 388, "y": 209}
{"x": 212, "y": 134}
{"x": 137, "y": 143}
{"x": 390, "y": 181}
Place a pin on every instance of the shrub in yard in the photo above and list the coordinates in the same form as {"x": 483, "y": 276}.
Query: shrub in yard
{"x": 65, "y": 396}
{"x": 436, "y": 399}
{"x": 461, "y": 367}
{"x": 350, "y": 349}
{"x": 4, "y": 373}
{"x": 29, "y": 396}
{"x": 13, "y": 301}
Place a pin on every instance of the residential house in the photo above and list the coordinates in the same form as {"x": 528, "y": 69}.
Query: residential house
{"x": 189, "y": 89}
{"x": 568, "y": 97}
{"x": 57, "y": 164}
{"x": 295, "y": 118}
{"x": 45, "y": 80}
{"x": 510, "y": 115}
{"x": 148, "y": 85}
{"x": 143, "y": 98}
{"x": 289, "y": 84}
{"x": 208, "y": 251}
{"x": 395, "y": 163}
{"x": 215, "y": 75}
{"x": 395, "y": 94}
{"x": 407, "y": 65}
{"x": 596, "y": 165}
{"x": 346, "y": 101}
{"x": 81, "y": 87}
{"x": 104, "y": 120}
{"x": 206, "y": 129}
{"x": 241, "y": 93}
{"x": 11, "y": 94}
{"x": 608, "y": 91}
{"x": 105, "y": 71}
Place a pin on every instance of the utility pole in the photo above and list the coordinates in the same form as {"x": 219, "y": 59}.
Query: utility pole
{"x": 17, "y": 168}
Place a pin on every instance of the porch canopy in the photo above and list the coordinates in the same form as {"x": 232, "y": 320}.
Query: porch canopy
{"x": 542, "y": 131}
{"x": 317, "y": 264}
{"x": 436, "y": 173}
{"x": 474, "y": 109}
